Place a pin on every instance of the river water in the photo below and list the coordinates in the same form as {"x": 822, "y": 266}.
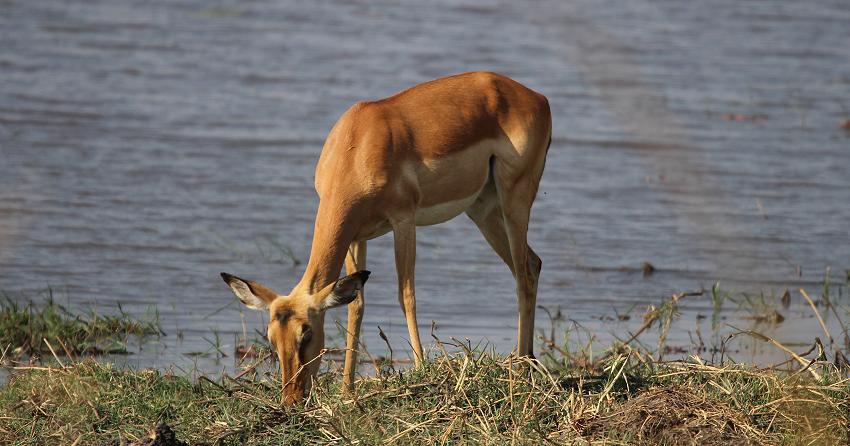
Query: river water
{"x": 147, "y": 146}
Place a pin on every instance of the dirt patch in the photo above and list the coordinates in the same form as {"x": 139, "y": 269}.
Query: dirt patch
{"x": 672, "y": 416}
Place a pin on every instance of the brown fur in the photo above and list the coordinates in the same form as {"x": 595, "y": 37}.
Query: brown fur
{"x": 359, "y": 176}
{"x": 474, "y": 143}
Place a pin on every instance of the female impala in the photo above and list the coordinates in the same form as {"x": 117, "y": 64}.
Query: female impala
{"x": 473, "y": 143}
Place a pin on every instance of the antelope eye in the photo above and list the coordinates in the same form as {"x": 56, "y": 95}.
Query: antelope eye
{"x": 306, "y": 334}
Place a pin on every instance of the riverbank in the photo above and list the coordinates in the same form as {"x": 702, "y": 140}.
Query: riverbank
{"x": 468, "y": 396}
{"x": 57, "y": 393}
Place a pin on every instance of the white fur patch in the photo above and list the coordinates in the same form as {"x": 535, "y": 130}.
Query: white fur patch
{"x": 243, "y": 292}
{"x": 444, "y": 211}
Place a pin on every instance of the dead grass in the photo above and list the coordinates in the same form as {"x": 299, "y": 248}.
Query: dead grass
{"x": 623, "y": 395}
{"x": 468, "y": 397}
{"x": 673, "y": 415}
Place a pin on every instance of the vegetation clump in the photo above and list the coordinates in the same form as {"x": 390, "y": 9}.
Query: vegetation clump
{"x": 467, "y": 397}
{"x": 30, "y": 329}
{"x": 672, "y": 415}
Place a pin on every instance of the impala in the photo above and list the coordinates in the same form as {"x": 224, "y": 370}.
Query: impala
{"x": 474, "y": 143}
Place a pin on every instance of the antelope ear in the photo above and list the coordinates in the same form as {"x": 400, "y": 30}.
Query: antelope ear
{"x": 343, "y": 291}
{"x": 252, "y": 294}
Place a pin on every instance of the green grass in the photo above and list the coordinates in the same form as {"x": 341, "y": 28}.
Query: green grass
{"x": 30, "y": 329}
{"x": 621, "y": 395}
{"x": 468, "y": 397}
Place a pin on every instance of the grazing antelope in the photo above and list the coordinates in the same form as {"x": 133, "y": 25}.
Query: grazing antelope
{"x": 473, "y": 143}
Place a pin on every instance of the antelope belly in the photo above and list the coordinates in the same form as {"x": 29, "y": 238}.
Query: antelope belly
{"x": 441, "y": 212}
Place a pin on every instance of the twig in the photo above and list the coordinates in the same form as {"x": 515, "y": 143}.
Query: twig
{"x": 5, "y": 351}
{"x": 655, "y": 314}
{"x": 801, "y": 360}
{"x": 67, "y": 351}
{"x": 817, "y": 314}
{"x": 54, "y": 353}
{"x": 253, "y": 366}
{"x": 220, "y": 387}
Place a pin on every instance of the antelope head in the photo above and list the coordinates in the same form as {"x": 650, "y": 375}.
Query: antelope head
{"x": 296, "y": 325}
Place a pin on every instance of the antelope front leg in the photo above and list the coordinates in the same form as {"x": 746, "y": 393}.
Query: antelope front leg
{"x": 404, "y": 233}
{"x": 355, "y": 261}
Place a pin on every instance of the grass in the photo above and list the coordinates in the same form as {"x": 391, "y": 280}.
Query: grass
{"x": 469, "y": 397}
{"x": 625, "y": 394}
{"x": 30, "y": 329}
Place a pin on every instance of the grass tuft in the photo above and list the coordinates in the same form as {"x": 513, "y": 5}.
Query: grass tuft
{"x": 25, "y": 327}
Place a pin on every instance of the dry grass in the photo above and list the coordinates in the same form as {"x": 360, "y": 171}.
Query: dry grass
{"x": 624, "y": 395}
{"x": 467, "y": 397}
{"x": 673, "y": 415}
